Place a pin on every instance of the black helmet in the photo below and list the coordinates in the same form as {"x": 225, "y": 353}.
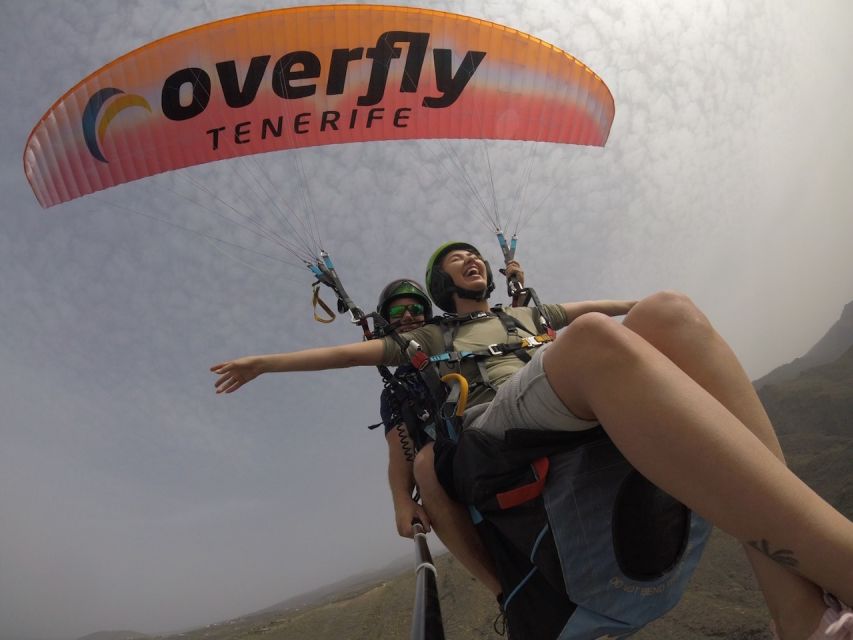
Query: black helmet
{"x": 403, "y": 288}
{"x": 440, "y": 285}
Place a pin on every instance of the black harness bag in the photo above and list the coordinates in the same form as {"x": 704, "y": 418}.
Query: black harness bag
{"x": 584, "y": 545}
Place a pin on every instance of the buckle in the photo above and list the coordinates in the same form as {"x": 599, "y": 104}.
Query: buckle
{"x": 496, "y": 350}
{"x": 419, "y": 360}
{"x": 531, "y": 341}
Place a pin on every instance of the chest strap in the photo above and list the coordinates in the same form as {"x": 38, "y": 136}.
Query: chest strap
{"x": 519, "y": 350}
{"x": 511, "y": 326}
{"x": 498, "y": 349}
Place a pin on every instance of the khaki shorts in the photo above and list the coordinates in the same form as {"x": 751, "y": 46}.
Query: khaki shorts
{"x": 525, "y": 401}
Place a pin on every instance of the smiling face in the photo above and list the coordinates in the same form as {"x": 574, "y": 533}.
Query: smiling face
{"x": 466, "y": 268}
{"x": 457, "y": 272}
{"x": 404, "y": 311}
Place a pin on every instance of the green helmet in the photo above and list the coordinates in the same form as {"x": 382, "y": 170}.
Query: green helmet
{"x": 440, "y": 285}
{"x": 403, "y": 288}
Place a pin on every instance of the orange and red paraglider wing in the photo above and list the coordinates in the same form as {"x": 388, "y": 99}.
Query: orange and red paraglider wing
{"x": 310, "y": 76}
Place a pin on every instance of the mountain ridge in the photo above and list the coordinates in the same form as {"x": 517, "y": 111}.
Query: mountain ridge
{"x": 837, "y": 339}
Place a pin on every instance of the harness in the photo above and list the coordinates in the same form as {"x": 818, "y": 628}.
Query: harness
{"x": 420, "y": 393}
{"x": 516, "y": 345}
{"x": 411, "y": 409}
{"x": 434, "y": 411}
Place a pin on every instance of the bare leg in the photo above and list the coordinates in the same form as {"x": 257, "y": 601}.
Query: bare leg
{"x": 677, "y": 328}
{"x": 685, "y": 441}
{"x": 452, "y": 523}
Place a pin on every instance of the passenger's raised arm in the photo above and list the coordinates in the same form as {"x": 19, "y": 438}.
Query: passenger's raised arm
{"x": 607, "y": 307}
{"x": 233, "y": 374}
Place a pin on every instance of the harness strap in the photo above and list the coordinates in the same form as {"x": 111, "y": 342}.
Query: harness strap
{"x": 457, "y": 402}
{"x": 317, "y": 300}
{"x": 449, "y": 334}
{"x": 484, "y": 375}
{"x": 526, "y": 492}
{"x": 428, "y": 373}
{"x": 529, "y": 342}
{"x": 421, "y": 362}
{"x": 510, "y": 324}
{"x": 543, "y": 320}
{"x": 324, "y": 270}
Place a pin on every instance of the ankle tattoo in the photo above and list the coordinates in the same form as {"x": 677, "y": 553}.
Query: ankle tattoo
{"x": 785, "y": 557}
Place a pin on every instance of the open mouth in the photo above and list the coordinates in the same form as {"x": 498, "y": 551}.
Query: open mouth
{"x": 471, "y": 271}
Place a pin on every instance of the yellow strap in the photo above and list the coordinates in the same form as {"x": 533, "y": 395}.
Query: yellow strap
{"x": 535, "y": 341}
{"x": 317, "y": 300}
{"x": 463, "y": 391}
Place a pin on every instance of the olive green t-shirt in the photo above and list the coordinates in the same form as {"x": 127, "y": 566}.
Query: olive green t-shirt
{"x": 476, "y": 335}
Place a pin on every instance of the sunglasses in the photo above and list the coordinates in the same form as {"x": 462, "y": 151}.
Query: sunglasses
{"x": 397, "y": 310}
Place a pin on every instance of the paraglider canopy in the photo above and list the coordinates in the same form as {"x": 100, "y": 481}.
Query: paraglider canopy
{"x": 309, "y": 76}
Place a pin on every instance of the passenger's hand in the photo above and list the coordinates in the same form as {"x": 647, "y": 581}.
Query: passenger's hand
{"x": 513, "y": 268}
{"x": 233, "y": 374}
{"x": 406, "y": 514}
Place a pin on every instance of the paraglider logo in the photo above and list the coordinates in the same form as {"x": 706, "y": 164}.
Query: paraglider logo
{"x": 287, "y": 79}
{"x": 95, "y": 137}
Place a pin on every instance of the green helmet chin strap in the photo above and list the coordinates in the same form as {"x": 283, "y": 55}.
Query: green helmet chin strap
{"x": 440, "y": 284}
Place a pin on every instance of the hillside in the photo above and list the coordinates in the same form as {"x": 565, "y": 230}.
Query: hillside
{"x": 115, "y": 635}
{"x": 836, "y": 341}
{"x": 723, "y": 602}
{"x": 819, "y": 400}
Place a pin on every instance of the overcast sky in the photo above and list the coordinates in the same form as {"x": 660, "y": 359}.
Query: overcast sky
{"x": 133, "y": 497}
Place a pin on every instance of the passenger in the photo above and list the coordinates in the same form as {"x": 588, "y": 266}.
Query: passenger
{"x": 670, "y": 394}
